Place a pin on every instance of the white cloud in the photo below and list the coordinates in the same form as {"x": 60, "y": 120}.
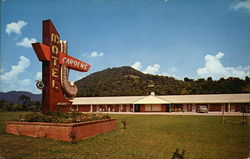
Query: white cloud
{"x": 15, "y": 27}
{"x": 101, "y": 54}
{"x": 214, "y": 68}
{"x": 10, "y": 80}
{"x": 38, "y": 76}
{"x": 241, "y": 5}
{"x": 173, "y": 70}
{"x": 24, "y": 82}
{"x": 78, "y": 77}
{"x": 164, "y": 74}
{"x": 96, "y": 54}
{"x": 152, "y": 69}
{"x": 26, "y": 42}
{"x": 16, "y": 70}
{"x": 137, "y": 65}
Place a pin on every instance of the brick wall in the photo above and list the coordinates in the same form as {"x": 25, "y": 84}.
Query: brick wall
{"x": 116, "y": 108}
{"x": 84, "y": 108}
{"x": 60, "y": 131}
{"x": 241, "y": 106}
{"x": 163, "y": 107}
{"x": 215, "y": 107}
{"x": 142, "y": 108}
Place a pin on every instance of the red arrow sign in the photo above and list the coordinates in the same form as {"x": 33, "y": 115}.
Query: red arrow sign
{"x": 73, "y": 63}
{"x": 42, "y": 52}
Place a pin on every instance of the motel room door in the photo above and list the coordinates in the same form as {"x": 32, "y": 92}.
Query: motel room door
{"x": 153, "y": 107}
{"x": 167, "y": 107}
{"x": 137, "y": 107}
{"x": 127, "y": 108}
{"x": 189, "y": 107}
{"x": 193, "y": 107}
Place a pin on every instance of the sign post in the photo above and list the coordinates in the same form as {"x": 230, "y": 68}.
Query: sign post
{"x": 56, "y": 90}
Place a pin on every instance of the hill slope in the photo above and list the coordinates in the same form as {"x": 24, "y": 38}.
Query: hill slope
{"x": 13, "y": 96}
{"x": 126, "y": 81}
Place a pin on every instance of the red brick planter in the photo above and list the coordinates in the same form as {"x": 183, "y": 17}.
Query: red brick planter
{"x": 60, "y": 131}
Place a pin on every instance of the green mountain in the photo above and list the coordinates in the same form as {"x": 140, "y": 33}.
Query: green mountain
{"x": 126, "y": 81}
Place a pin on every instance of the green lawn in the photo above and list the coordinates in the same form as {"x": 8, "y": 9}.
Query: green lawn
{"x": 146, "y": 136}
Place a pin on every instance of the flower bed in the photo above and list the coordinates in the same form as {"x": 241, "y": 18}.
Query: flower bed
{"x": 62, "y": 117}
{"x": 66, "y": 131}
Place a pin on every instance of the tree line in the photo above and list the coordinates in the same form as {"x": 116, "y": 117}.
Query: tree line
{"x": 24, "y": 104}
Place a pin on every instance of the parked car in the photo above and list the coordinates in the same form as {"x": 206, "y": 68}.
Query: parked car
{"x": 202, "y": 109}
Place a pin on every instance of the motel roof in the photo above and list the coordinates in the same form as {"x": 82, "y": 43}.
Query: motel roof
{"x": 106, "y": 100}
{"x": 209, "y": 98}
{"x": 152, "y": 100}
{"x": 165, "y": 99}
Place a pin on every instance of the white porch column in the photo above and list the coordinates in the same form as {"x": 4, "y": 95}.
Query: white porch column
{"x": 223, "y": 107}
{"x": 229, "y": 107}
{"x": 91, "y": 108}
{"x": 193, "y": 107}
{"x": 97, "y": 108}
{"x": 232, "y": 107}
{"x": 185, "y": 107}
{"x": 133, "y": 108}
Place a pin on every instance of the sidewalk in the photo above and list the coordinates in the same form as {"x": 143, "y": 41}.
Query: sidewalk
{"x": 180, "y": 113}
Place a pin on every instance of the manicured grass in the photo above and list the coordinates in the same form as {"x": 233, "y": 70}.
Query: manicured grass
{"x": 146, "y": 137}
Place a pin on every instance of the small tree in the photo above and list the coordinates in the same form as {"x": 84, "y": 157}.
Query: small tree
{"x": 35, "y": 106}
{"x": 25, "y": 101}
{"x": 4, "y": 105}
{"x": 16, "y": 107}
{"x": 210, "y": 79}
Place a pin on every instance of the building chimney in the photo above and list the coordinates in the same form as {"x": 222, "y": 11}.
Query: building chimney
{"x": 152, "y": 93}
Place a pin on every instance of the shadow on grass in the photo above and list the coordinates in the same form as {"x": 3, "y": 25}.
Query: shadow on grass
{"x": 178, "y": 155}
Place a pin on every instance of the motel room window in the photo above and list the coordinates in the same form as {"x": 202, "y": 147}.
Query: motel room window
{"x": 153, "y": 107}
{"x": 156, "y": 107}
{"x": 148, "y": 107}
{"x": 177, "y": 107}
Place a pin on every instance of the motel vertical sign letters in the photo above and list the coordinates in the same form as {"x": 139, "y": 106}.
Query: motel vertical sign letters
{"x": 56, "y": 90}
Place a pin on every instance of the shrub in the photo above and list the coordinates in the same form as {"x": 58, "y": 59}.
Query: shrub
{"x": 35, "y": 117}
{"x": 176, "y": 110}
{"x": 62, "y": 117}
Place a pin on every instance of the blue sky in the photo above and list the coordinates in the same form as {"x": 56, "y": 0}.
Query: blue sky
{"x": 179, "y": 38}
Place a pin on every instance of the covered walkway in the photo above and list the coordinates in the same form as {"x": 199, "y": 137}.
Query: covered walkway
{"x": 167, "y": 103}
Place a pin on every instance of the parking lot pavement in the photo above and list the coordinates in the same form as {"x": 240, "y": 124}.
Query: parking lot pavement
{"x": 181, "y": 113}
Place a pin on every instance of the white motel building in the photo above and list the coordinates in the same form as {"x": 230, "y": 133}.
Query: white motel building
{"x": 163, "y": 103}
